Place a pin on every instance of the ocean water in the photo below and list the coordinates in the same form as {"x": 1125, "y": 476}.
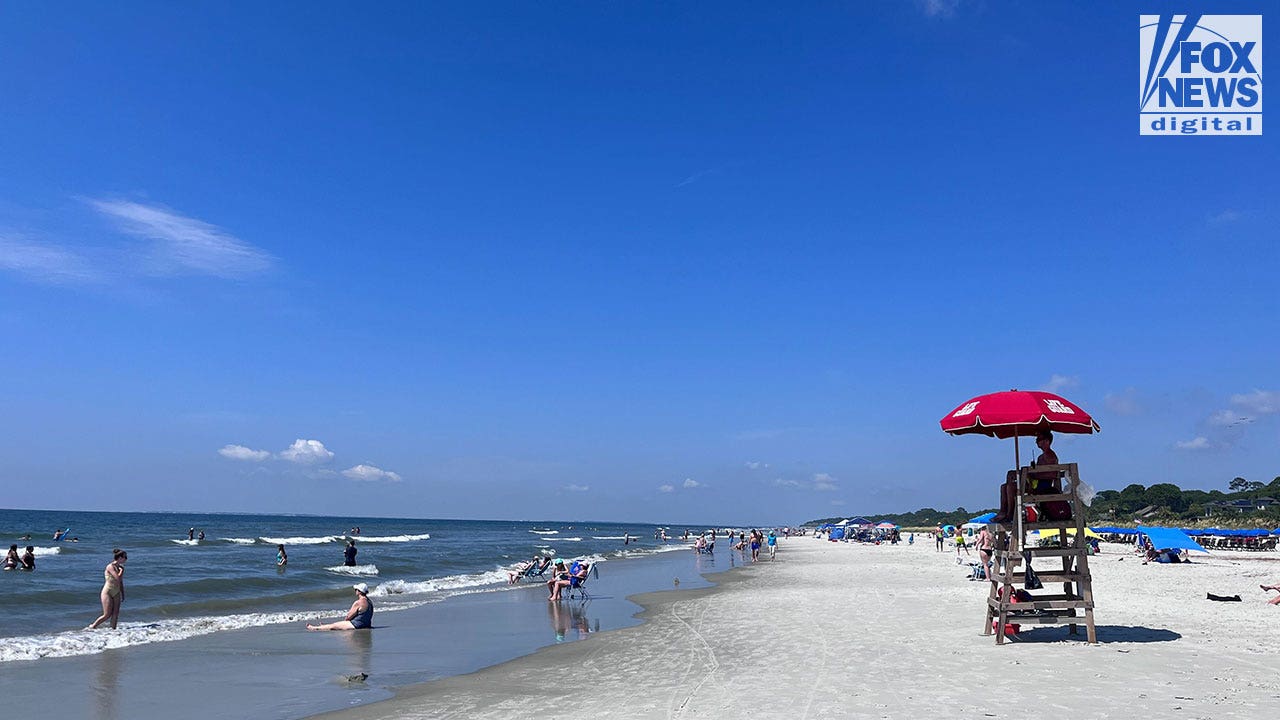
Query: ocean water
{"x": 178, "y": 589}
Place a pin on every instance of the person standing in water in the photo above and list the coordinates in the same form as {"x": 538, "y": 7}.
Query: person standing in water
{"x": 282, "y": 557}
{"x": 112, "y": 590}
{"x": 349, "y": 554}
{"x": 29, "y": 559}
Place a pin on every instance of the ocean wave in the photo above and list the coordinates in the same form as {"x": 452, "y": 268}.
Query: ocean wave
{"x": 184, "y": 541}
{"x": 390, "y": 538}
{"x": 46, "y": 551}
{"x": 608, "y": 537}
{"x": 449, "y": 582}
{"x": 546, "y": 532}
{"x": 240, "y": 541}
{"x": 568, "y": 539}
{"x": 354, "y": 569}
{"x": 90, "y": 642}
{"x": 301, "y": 540}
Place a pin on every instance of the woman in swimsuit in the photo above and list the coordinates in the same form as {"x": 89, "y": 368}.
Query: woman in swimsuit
{"x": 359, "y": 617}
{"x": 282, "y": 557}
{"x": 11, "y": 560}
{"x": 987, "y": 552}
{"x": 112, "y": 590}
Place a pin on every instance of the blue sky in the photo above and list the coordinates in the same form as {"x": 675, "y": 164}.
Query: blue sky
{"x": 684, "y": 262}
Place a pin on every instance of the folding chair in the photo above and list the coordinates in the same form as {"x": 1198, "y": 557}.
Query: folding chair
{"x": 579, "y": 585}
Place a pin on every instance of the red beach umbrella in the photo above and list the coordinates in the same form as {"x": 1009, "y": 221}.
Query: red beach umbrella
{"x": 1017, "y": 413}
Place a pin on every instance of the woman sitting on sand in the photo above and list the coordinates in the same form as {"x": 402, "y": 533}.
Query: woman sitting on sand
{"x": 359, "y": 617}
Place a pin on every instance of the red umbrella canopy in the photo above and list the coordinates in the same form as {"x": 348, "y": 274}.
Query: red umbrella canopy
{"x": 1018, "y": 413}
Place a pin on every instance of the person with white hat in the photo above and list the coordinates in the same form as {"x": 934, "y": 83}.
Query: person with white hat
{"x": 359, "y": 617}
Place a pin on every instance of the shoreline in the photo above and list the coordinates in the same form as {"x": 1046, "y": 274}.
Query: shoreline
{"x": 407, "y": 699}
{"x": 892, "y": 632}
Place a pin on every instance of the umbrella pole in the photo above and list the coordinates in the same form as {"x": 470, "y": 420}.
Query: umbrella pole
{"x": 1017, "y": 456}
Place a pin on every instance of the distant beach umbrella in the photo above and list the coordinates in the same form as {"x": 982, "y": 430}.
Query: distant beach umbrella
{"x": 1015, "y": 414}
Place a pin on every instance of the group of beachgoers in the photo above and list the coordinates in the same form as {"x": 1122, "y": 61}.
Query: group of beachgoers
{"x": 563, "y": 576}
{"x": 25, "y": 561}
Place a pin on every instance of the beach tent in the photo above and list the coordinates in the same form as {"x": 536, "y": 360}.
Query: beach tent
{"x": 983, "y": 519}
{"x": 1170, "y": 539}
{"x": 837, "y": 533}
{"x": 971, "y": 528}
{"x": 860, "y": 522}
{"x": 887, "y": 526}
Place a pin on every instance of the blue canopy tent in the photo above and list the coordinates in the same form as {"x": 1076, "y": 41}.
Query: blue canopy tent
{"x": 984, "y": 518}
{"x": 1170, "y": 539}
{"x": 837, "y": 533}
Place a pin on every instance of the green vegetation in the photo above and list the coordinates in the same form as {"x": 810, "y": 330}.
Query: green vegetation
{"x": 1246, "y": 504}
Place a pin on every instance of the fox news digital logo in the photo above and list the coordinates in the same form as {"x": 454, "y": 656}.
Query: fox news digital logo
{"x": 1200, "y": 74}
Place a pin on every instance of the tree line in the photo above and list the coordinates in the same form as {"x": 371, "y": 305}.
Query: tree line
{"x": 1158, "y": 503}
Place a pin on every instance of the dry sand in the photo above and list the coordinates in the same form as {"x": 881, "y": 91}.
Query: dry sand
{"x": 842, "y": 630}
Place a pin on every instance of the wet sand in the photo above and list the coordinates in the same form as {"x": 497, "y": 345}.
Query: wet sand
{"x": 895, "y": 632}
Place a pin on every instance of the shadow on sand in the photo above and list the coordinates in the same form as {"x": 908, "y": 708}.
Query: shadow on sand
{"x": 1107, "y": 634}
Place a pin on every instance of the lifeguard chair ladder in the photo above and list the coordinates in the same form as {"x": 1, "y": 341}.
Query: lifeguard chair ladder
{"x": 1074, "y": 605}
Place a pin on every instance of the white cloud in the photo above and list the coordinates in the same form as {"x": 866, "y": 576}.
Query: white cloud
{"x": 1228, "y": 418}
{"x": 1124, "y": 403}
{"x": 1226, "y": 216}
{"x": 1060, "y": 382}
{"x": 182, "y": 245}
{"x": 757, "y": 465}
{"x": 45, "y": 263}
{"x": 939, "y": 8}
{"x": 240, "y": 452}
{"x": 666, "y": 488}
{"x": 783, "y": 482}
{"x": 1259, "y": 402}
{"x": 691, "y": 483}
{"x": 577, "y": 488}
{"x": 1199, "y": 443}
{"x": 307, "y": 452}
{"x": 369, "y": 473}
{"x": 823, "y": 482}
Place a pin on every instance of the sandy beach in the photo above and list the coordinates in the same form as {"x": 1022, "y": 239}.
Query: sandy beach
{"x": 848, "y": 630}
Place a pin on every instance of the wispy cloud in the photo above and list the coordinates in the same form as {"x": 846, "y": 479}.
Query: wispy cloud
{"x": 819, "y": 482}
{"x": 1200, "y": 442}
{"x": 690, "y": 483}
{"x": 823, "y": 482}
{"x": 1124, "y": 403}
{"x": 696, "y": 177}
{"x": 1259, "y": 402}
{"x": 666, "y": 488}
{"x": 182, "y": 245}
{"x": 46, "y": 263}
{"x": 1224, "y": 217}
{"x": 307, "y": 452}
{"x": 939, "y": 8}
{"x": 757, "y": 466}
{"x": 577, "y": 488}
{"x": 1060, "y": 382}
{"x": 240, "y": 452}
{"x": 1228, "y": 418}
{"x": 369, "y": 473}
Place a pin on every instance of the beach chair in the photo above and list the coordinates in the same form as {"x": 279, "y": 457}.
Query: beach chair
{"x": 578, "y": 586}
